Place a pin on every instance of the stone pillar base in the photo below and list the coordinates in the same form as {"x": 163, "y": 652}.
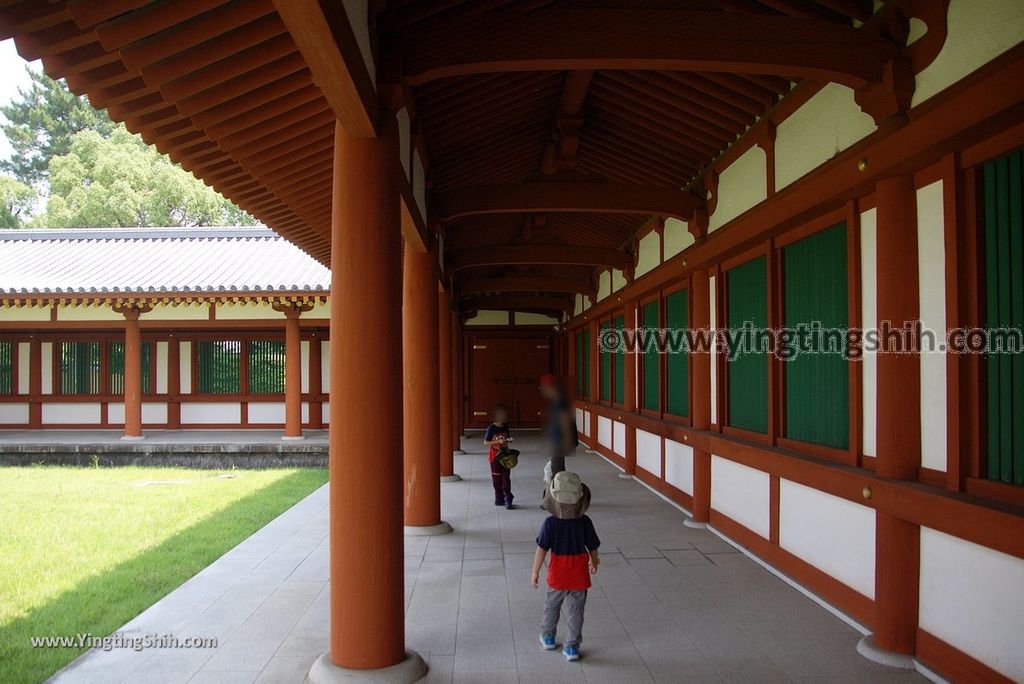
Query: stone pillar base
{"x": 459, "y": 452}
{"x": 867, "y": 648}
{"x": 292, "y": 438}
{"x": 427, "y": 530}
{"x": 132, "y": 438}
{"x": 454, "y": 477}
{"x": 411, "y": 669}
{"x": 695, "y": 524}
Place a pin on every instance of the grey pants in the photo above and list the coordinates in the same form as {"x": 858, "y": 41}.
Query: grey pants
{"x": 575, "y": 601}
{"x": 557, "y": 461}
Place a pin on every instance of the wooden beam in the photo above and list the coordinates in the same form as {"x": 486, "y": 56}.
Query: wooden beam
{"x": 521, "y": 283}
{"x": 327, "y": 41}
{"x": 559, "y": 197}
{"x": 642, "y": 39}
{"x": 519, "y": 303}
{"x": 576, "y": 255}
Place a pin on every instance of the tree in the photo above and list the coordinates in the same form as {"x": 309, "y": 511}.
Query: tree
{"x": 40, "y": 123}
{"x": 120, "y": 181}
{"x": 16, "y": 200}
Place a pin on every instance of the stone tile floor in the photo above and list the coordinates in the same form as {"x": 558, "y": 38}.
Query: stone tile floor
{"x": 669, "y": 604}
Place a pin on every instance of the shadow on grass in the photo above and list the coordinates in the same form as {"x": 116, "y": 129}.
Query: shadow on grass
{"x": 101, "y": 604}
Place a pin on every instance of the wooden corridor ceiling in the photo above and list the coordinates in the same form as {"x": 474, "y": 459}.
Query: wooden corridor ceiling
{"x": 586, "y": 94}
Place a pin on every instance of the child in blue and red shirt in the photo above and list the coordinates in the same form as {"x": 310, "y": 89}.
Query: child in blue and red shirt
{"x": 572, "y": 540}
{"x": 495, "y": 438}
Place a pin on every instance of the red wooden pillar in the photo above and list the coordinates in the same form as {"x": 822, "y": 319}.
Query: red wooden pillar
{"x": 132, "y": 376}
{"x": 446, "y": 388}
{"x": 422, "y": 416}
{"x": 898, "y": 447}
{"x": 292, "y": 376}
{"x": 629, "y": 396}
{"x": 367, "y": 595}
{"x": 35, "y": 383}
{"x": 700, "y": 404}
{"x": 458, "y": 374}
{"x": 174, "y": 383}
{"x": 316, "y": 387}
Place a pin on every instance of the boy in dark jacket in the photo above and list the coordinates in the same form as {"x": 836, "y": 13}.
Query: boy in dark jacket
{"x": 570, "y": 537}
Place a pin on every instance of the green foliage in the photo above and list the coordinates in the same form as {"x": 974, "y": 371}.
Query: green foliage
{"x": 40, "y": 123}
{"x": 120, "y": 181}
{"x": 16, "y": 200}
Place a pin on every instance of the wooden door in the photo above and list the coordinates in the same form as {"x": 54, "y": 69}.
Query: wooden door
{"x": 505, "y": 370}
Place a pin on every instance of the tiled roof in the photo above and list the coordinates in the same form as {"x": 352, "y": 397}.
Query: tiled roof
{"x": 155, "y": 260}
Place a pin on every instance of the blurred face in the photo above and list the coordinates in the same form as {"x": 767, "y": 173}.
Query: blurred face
{"x": 500, "y": 415}
{"x": 549, "y": 391}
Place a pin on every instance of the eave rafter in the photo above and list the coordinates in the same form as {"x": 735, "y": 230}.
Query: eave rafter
{"x": 559, "y": 197}
{"x": 564, "y": 255}
{"x": 642, "y": 39}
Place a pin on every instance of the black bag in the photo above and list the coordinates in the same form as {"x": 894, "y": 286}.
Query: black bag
{"x": 507, "y": 458}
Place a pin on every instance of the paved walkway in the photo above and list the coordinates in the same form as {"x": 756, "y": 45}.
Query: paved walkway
{"x": 670, "y": 604}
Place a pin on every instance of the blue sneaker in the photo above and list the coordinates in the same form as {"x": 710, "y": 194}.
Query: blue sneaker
{"x": 571, "y": 653}
{"x": 548, "y": 642}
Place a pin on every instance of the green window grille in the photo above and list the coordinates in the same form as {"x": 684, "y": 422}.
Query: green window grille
{"x": 79, "y": 367}
{"x": 266, "y": 366}
{"x": 1004, "y": 307}
{"x": 6, "y": 367}
{"x": 747, "y": 370}
{"x": 619, "y": 323}
{"x": 677, "y": 373}
{"x": 651, "y": 358}
{"x": 583, "y": 363}
{"x": 115, "y": 367}
{"x": 817, "y": 384}
{"x": 606, "y": 366}
{"x": 219, "y": 366}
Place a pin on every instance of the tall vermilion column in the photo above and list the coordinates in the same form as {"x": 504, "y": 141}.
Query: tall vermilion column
{"x": 367, "y": 595}
{"x": 700, "y": 401}
{"x": 445, "y": 391}
{"x": 422, "y": 381}
{"x": 292, "y": 376}
{"x": 35, "y": 383}
{"x": 898, "y": 441}
{"x": 316, "y": 387}
{"x": 132, "y": 376}
{"x": 457, "y": 379}
{"x": 174, "y": 383}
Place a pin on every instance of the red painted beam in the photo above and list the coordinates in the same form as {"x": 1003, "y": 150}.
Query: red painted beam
{"x": 578, "y": 255}
{"x": 522, "y": 283}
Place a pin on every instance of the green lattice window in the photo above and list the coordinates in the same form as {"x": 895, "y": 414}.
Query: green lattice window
{"x": 818, "y": 384}
{"x": 79, "y": 367}
{"x": 677, "y": 363}
{"x": 6, "y": 367}
{"x": 1004, "y": 306}
{"x": 606, "y": 365}
{"x": 266, "y": 366}
{"x": 115, "y": 367}
{"x": 747, "y": 370}
{"x": 651, "y": 364}
{"x": 218, "y": 366}
{"x": 619, "y": 373}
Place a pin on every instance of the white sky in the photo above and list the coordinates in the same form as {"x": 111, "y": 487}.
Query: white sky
{"x": 12, "y": 77}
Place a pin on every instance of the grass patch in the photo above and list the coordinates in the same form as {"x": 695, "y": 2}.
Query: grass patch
{"x": 84, "y": 550}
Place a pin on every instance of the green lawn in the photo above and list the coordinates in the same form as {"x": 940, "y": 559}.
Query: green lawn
{"x": 84, "y": 550}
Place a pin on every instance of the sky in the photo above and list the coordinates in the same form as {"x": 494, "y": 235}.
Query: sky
{"x": 12, "y": 66}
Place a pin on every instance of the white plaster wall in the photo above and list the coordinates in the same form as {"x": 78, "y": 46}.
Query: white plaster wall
{"x": 931, "y": 255}
{"x": 67, "y": 312}
{"x": 832, "y": 534}
{"x": 649, "y": 253}
{"x": 972, "y": 597}
{"x": 46, "y": 372}
{"x": 679, "y": 465}
{"x": 869, "y": 319}
{"x": 714, "y": 356}
{"x": 604, "y": 431}
{"x": 24, "y": 313}
{"x": 978, "y": 32}
{"x": 604, "y": 285}
{"x": 403, "y": 138}
{"x": 586, "y": 423}
{"x": 489, "y": 317}
{"x": 211, "y": 412}
{"x": 14, "y": 414}
{"x": 741, "y": 185}
{"x": 247, "y": 310}
{"x": 304, "y": 375}
{"x": 526, "y": 318}
{"x": 826, "y": 125}
{"x": 153, "y": 413}
{"x": 419, "y": 184}
{"x": 325, "y": 366}
{"x": 24, "y": 367}
{"x": 676, "y": 236}
{"x": 648, "y": 452}
{"x": 618, "y": 280}
{"x": 180, "y": 312}
{"x": 741, "y": 493}
{"x": 161, "y": 366}
{"x": 304, "y": 412}
{"x": 577, "y": 308}
{"x": 581, "y": 424}
{"x": 320, "y": 310}
{"x": 325, "y": 412}
{"x": 267, "y": 412}
{"x": 71, "y": 412}
{"x": 185, "y": 365}
{"x": 619, "y": 438}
